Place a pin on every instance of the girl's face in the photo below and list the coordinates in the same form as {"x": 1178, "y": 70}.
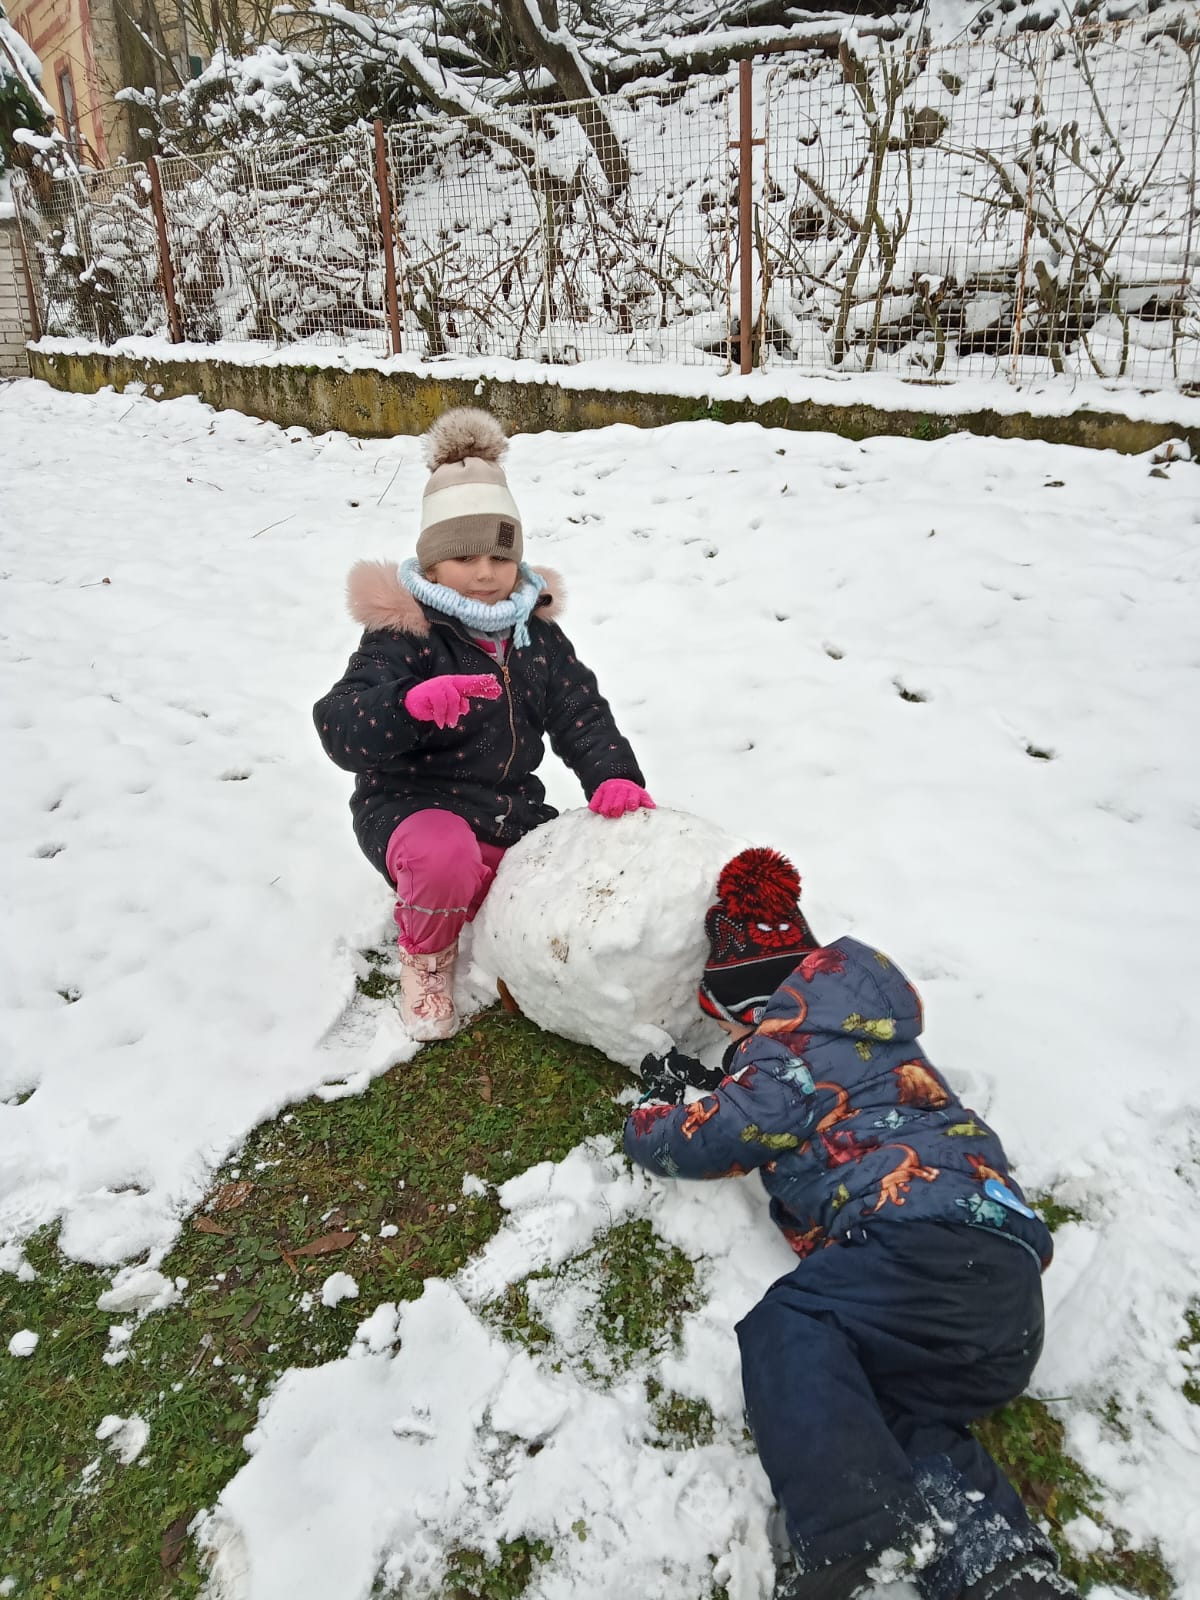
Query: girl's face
{"x": 487, "y": 579}
{"x": 735, "y": 1030}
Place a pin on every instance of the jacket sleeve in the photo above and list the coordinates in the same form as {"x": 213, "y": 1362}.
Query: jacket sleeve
{"x": 580, "y": 724}
{"x": 751, "y": 1120}
{"x": 361, "y": 722}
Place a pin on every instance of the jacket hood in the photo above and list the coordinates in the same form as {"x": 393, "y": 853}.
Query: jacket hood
{"x": 846, "y": 989}
{"x": 379, "y": 601}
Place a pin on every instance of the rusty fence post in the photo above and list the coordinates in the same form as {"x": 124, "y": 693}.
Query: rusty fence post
{"x": 389, "y": 237}
{"x": 166, "y": 266}
{"x": 744, "y": 144}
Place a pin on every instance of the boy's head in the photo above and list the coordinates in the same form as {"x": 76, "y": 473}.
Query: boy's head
{"x": 469, "y": 519}
{"x": 757, "y": 935}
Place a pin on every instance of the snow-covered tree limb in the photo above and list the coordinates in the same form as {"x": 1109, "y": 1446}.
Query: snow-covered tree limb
{"x": 535, "y": 23}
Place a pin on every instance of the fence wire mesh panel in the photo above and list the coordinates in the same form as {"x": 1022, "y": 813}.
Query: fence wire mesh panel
{"x": 1112, "y": 274}
{"x": 1020, "y": 207}
{"x": 469, "y": 238}
{"x": 640, "y": 231}
{"x": 216, "y": 245}
{"x": 568, "y": 233}
{"x": 90, "y": 243}
{"x": 319, "y": 212}
{"x": 1024, "y": 206}
{"x": 280, "y": 243}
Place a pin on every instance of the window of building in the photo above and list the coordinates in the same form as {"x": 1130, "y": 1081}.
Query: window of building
{"x": 66, "y": 99}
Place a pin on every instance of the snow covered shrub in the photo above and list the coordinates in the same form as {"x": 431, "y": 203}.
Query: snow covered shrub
{"x": 23, "y": 107}
{"x": 18, "y": 110}
{"x": 517, "y": 244}
{"x": 1022, "y": 202}
{"x": 597, "y": 928}
{"x": 279, "y": 243}
{"x": 93, "y": 251}
{"x": 1023, "y": 198}
{"x": 216, "y": 245}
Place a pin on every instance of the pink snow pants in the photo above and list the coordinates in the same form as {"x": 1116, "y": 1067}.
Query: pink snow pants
{"x": 441, "y": 872}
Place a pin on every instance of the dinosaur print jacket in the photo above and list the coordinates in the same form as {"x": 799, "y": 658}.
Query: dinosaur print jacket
{"x": 833, "y": 1101}
{"x": 483, "y": 769}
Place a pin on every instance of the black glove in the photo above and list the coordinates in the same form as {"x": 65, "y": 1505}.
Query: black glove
{"x": 667, "y": 1077}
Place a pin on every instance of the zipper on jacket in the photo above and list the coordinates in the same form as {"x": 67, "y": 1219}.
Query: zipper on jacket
{"x": 512, "y": 724}
{"x": 503, "y": 665}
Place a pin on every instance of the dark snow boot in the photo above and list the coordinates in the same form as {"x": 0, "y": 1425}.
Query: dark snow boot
{"x": 1022, "y": 1578}
{"x": 837, "y": 1580}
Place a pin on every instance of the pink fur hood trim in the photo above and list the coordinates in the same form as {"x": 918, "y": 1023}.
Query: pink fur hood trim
{"x": 380, "y": 602}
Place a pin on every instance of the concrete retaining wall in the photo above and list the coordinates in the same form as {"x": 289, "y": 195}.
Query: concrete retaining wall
{"x": 373, "y": 403}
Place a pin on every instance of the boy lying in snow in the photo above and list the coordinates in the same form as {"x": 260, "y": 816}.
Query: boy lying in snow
{"x": 917, "y": 1304}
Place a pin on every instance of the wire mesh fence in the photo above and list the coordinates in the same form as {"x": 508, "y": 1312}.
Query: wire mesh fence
{"x": 212, "y": 224}
{"x": 1027, "y": 205}
{"x": 1014, "y": 207}
{"x": 279, "y": 242}
{"x": 469, "y": 238}
{"x": 569, "y": 232}
{"x": 90, "y": 242}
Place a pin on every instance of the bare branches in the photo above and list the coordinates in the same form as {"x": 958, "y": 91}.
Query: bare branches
{"x": 914, "y": 211}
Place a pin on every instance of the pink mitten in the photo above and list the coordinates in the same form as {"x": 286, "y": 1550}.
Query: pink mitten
{"x": 616, "y": 796}
{"x": 444, "y": 700}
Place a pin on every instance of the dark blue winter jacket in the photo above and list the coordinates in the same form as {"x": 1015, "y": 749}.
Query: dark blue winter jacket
{"x": 834, "y": 1102}
{"x": 483, "y": 769}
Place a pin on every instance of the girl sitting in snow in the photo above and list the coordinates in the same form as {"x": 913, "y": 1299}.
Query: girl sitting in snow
{"x": 441, "y": 711}
{"x": 917, "y": 1303}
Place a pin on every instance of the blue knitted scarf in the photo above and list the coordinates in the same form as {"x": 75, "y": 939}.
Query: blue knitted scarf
{"x": 512, "y": 613}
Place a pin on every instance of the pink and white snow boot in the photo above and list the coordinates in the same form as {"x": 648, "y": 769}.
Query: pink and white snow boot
{"x": 427, "y": 993}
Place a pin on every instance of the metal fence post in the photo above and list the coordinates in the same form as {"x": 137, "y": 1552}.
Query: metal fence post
{"x": 745, "y": 143}
{"x": 547, "y": 240}
{"x": 727, "y": 234}
{"x": 383, "y": 185}
{"x": 745, "y": 211}
{"x": 35, "y": 310}
{"x": 165, "y": 265}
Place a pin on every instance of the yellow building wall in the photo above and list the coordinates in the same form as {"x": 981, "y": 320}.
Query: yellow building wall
{"x": 61, "y": 34}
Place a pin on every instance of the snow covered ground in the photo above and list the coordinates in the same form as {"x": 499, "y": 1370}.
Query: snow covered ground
{"x": 956, "y": 681}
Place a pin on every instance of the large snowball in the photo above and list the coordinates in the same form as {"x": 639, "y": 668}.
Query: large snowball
{"x": 597, "y": 928}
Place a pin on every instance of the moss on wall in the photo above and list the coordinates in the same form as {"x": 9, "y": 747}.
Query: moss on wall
{"x": 375, "y": 404}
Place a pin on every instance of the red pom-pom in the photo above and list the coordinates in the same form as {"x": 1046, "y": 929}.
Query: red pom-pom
{"x": 759, "y": 885}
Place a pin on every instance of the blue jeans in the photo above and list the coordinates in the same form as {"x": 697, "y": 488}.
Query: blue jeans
{"x": 862, "y": 1368}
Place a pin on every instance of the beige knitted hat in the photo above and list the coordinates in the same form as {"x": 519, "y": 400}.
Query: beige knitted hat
{"x": 467, "y": 509}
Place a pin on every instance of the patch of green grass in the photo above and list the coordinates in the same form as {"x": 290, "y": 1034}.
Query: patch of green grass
{"x": 1052, "y": 1212}
{"x": 1191, "y": 1343}
{"x": 472, "y": 1576}
{"x": 377, "y": 983}
{"x": 514, "y": 1313}
{"x": 681, "y": 1422}
{"x": 307, "y": 1195}
{"x": 633, "y": 1290}
{"x": 645, "y": 1288}
{"x": 928, "y": 427}
{"x": 1027, "y": 1441}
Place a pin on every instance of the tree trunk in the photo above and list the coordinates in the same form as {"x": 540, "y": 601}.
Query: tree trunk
{"x": 540, "y": 36}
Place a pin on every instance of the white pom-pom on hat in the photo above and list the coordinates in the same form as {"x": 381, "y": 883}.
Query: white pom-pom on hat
{"x": 465, "y": 431}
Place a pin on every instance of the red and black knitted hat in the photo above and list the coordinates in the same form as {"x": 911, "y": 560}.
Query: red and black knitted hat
{"x": 757, "y": 934}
